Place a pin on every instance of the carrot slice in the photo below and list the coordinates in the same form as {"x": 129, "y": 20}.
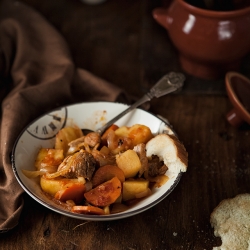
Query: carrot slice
{"x": 87, "y": 210}
{"x": 105, "y": 134}
{"x": 104, "y": 194}
{"x": 106, "y": 173}
{"x": 72, "y": 191}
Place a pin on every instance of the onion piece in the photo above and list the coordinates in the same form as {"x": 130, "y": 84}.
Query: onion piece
{"x": 68, "y": 160}
{"x": 32, "y": 174}
{"x": 145, "y": 193}
{"x": 106, "y": 210}
{"x": 75, "y": 145}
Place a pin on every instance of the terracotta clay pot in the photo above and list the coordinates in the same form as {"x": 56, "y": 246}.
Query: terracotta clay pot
{"x": 238, "y": 90}
{"x": 210, "y": 43}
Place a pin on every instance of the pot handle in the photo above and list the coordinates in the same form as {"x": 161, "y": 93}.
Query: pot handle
{"x": 161, "y": 16}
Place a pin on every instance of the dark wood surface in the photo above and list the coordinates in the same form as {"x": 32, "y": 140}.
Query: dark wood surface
{"x": 120, "y": 42}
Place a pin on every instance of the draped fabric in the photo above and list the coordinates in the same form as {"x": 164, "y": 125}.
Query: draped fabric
{"x": 37, "y": 74}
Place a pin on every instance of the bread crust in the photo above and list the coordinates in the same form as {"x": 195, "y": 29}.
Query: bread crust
{"x": 231, "y": 221}
{"x": 169, "y": 149}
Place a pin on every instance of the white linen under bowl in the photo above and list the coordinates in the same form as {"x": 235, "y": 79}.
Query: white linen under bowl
{"x": 92, "y": 115}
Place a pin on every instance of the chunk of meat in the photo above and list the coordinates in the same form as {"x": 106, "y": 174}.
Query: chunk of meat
{"x": 103, "y": 159}
{"x": 82, "y": 164}
{"x": 170, "y": 150}
{"x": 156, "y": 167}
{"x": 140, "y": 149}
{"x": 92, "y": 140}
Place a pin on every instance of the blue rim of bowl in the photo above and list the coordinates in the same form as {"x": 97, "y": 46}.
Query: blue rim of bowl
{"x": 64, "y": 212}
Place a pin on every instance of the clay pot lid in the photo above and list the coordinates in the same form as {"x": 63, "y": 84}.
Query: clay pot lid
{"x": 238, "y": 90}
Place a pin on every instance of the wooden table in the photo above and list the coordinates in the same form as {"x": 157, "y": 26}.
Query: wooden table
{"x": 120, "y": 42}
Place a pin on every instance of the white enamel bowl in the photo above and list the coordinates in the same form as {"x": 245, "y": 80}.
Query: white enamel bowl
{"x": 41, "y": 133}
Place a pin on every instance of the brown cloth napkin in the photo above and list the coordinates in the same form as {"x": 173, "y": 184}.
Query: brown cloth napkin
{"x": 37, "y": 74}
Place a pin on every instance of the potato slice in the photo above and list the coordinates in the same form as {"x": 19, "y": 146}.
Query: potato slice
{"x": 49, "y": 159}
{"x": 66, "y": 135}
{"x": 139, "y": 133}
{"x": 52, "y": 186}
{"x": 129, "y": 163}
{"x": 122, "y": 131}
{"x": 133, "y": 187}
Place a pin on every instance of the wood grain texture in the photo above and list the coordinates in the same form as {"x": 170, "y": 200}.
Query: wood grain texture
{"x": 120, "y": 42}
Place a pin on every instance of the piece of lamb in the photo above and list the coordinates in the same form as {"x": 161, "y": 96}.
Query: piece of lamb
{"x": 82, "y": 164}
{"x": 156, "y": 167}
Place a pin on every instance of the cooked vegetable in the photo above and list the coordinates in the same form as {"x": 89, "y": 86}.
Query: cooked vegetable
{"x": 71, "y": 191}
{"x": 122, "y": 131}
{"x": 131, "y": 188}
{"x": 106, "y": 173}
{"x": 129, "y": 163}
{"x": 117, "y": 143}
{"x": 65, "y": 136}
{"x": 143, "y": 194}
{"x": 75, "y": 145}
{"x": 113, "y": 127}
{"x": 88, "y": 210}
{"x": 52, "y": 186}
{"x": 48, "y": 159}
{"x": 32, "y": 174}
{"x": 124, "y": 138}
{"x": 104, "y": 194}
{"x": 139, "y": 134}
{"x": 106, "y": 210}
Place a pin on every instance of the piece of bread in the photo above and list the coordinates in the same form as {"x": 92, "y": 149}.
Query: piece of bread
{"x": 231, "y": 221}
{"x": 170, "y": 150}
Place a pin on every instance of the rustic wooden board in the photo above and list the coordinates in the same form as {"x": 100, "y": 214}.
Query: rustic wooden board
{"x": 120, "y": 42}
